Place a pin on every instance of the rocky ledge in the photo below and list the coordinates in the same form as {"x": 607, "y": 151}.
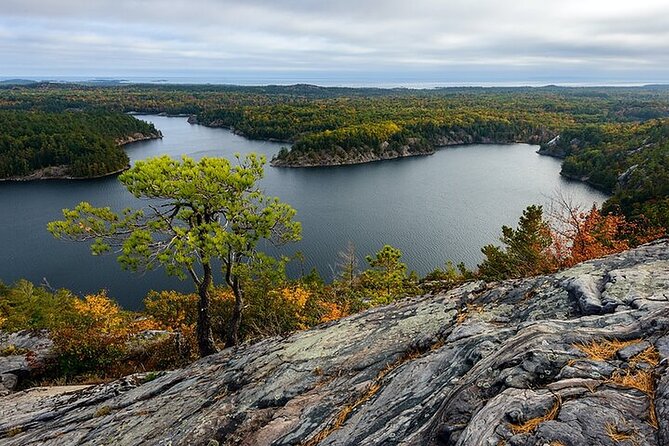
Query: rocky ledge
{"x": 362, "y": 155}
{"x": 576, "y": 358}
{"x": 136, "y": 137}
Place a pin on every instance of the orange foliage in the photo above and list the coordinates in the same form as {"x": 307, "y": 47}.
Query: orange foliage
{"x": 296, "y": 295}
{"x": 590, "y": 235}
{"x": 597, "y": 235}
{"x": 333, "y": 311}
{"x": 101, "y": 313}
{"x": 94, "y": 335}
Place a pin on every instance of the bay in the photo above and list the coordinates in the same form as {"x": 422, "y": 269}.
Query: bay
{"x": 444, "y": 206}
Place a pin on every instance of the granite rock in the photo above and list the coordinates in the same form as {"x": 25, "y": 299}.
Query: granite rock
{"x": 410, "y": 373}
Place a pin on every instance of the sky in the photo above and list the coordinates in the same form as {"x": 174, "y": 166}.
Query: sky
{"x": 339, "y": 42}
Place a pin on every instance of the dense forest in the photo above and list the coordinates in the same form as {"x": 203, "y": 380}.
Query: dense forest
{"x": 614, "y": 138}
{"x": 74, "y": 144}
{"x": 629, "y": 160}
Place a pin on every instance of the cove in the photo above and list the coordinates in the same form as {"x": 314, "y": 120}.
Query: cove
{"x": 434, "y": 208}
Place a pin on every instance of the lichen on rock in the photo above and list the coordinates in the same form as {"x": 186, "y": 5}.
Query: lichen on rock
{"x": 484, "y": 364}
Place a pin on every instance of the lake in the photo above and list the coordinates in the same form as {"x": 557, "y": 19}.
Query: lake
{"x": 435, "y": 208}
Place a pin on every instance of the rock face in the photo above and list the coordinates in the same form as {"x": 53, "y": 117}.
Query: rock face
{"x": 20, "y": 353}
{"x": 576, "y": 358}
{"x": 340, "y": 157}
{"x": 135, "y": 137}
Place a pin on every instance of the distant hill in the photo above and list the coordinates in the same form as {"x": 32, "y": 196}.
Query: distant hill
{"x": 17, "y": 82}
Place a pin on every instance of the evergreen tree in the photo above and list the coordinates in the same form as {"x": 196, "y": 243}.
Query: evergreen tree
{"x": 205, "y": 211}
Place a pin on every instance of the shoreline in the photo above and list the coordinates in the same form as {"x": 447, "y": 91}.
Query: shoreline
{"x": 586, "y": 180}
{"x": 436, "y": 148}
{"x": 352, "y": 162}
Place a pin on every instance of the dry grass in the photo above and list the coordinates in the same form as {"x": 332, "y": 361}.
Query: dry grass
{"x": 639, "y": 379}
{"x": 369, "y": 392}
{"x": 643, "y": 381}
{"x": 532, "y": 424}
{"x": 618, "y": 436}
{"x": 13, "y": 432}
{"x": 652, "y": 415}
{"x": 467, "y": 311}
{"x": 605, "y": 349}
{"x": 102, "y": 412}
{"x": 556, "y": 443}
{"x": 650, "y": 356}
{"x": 13, "y": 350}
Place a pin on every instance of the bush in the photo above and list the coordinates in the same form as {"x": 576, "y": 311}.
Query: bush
{"x": 94, "y": 336}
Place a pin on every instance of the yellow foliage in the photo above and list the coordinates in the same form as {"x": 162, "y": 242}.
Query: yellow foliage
{"x": 296, "y": 295}
{"x": 95, "y": 335}
{"x": 144, "y": 324}
{"x": 171, "y": 308}
{"x": 100, "y": 312}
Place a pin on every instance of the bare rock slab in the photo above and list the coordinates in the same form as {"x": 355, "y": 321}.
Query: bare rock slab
{"x": 411, "y": 373}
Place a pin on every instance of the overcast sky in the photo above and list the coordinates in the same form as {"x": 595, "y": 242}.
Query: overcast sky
{"x": 340, "y": 41}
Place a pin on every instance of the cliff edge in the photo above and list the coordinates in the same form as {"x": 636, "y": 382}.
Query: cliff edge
{"x": 575, "y": 358}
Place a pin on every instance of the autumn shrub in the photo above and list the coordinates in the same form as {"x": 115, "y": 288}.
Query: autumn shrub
{"x": 570, "y": 236}
{"x": 273, "y": 305}
{"x": 584, "y": 235}
{"x": 95, "y": 336}
{"x": 92, "y": 337}
{"x": 177, "y": 312}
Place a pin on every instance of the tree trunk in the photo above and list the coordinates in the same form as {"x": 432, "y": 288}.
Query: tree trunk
{"x": 232, "y": 337}
{"x": 205, "y": 338}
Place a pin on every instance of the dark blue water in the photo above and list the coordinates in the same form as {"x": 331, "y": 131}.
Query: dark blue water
{"x": 445, "y": 206}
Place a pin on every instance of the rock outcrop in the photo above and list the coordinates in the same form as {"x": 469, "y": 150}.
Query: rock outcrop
{"x": 20, "y": 354}
{"x": 340, "y": 157}
{"x": 576, "y": 358}
{"x": 135, "y": 137}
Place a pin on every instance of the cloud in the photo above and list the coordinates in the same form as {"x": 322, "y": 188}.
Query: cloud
{"x": 430, "y": 40}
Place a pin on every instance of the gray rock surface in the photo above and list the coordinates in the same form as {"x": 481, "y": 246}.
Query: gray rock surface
{"x": 411, "y": 373}
{"x": 20, "y": 353}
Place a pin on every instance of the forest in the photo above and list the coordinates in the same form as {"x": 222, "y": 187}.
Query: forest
{"x": 613, "y": 138}
{"x": 86, "y": 144}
